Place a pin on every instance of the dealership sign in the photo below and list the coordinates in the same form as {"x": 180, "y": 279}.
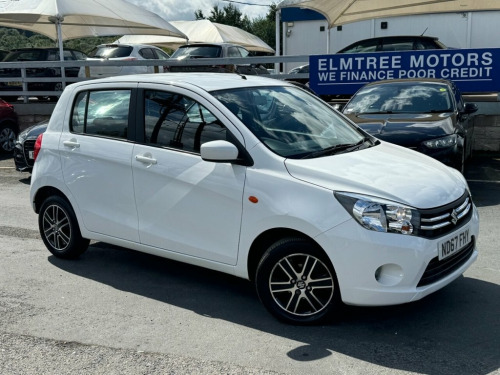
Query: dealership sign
{"x": 473, "y": 70}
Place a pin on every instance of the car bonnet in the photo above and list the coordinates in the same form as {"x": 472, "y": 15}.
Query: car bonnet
{"x": 386, "y": 171}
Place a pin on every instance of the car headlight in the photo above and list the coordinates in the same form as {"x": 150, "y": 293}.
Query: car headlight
{"x": 448, "y": 141}
{"x": 22, "y": 136}
{"x": 379, "y": 214}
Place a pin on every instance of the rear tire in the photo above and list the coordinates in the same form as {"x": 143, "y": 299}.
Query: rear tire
{"x": 297, "y": 283}
{"x": 59, "y": 229}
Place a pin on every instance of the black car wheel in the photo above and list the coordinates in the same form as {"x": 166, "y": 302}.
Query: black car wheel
{"x": 7, "y": 137}
{"x": 296, "y": 282}
{"x": 59, "y": 229}
{"x": 57, "y": 87}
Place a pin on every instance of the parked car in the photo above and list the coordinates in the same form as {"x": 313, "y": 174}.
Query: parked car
{"x": 24, "y": 148}
{"x": 426, "y": 115}
{"x": 378, "y": 44}
{"x": 37, "y": 54}
{"x": 214, "y": 50}
{"x": 9, "y": 127}
{"x": 122, "y": 52}
{"x": 254, "y": 177}
{"x": 299, "y": 70}
{"x": 394, "y": 43}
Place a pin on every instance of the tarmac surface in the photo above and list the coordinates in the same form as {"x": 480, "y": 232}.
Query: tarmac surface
{"x": 115, "y": 311}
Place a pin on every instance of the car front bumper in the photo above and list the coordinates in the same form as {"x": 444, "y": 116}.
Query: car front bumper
{"x": 377, "y": 269}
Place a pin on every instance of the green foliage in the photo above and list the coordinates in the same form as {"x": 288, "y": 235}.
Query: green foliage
{"x": 15, "y": 38}
{"x": 263, "y": 27}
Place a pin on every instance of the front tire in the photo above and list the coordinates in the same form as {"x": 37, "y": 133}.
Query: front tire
{"x": 297, "y": 283}
{"x": 8, "y": 137}
{"x": 59, "y": 229}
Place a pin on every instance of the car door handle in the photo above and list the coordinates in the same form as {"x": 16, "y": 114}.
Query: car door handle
{"x": 72, "y": 143}
{"x": 146, "y": 159}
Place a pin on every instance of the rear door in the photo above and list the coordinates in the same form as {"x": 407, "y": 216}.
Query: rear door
{"x": 96, "y": 160}
{"x": 185, "y": 204}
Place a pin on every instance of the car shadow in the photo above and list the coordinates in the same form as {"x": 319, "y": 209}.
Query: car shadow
{"x": 6, "y": 156}
{"x": 453, "y": 331}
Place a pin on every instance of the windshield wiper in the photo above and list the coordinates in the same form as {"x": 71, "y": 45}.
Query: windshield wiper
{"x": 375, "y": 113}
{"x": 340, "y": 148}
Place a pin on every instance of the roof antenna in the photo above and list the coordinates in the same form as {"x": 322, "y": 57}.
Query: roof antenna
{"x": 424, "y": 31}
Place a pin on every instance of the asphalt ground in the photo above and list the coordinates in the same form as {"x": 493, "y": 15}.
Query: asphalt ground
{"x": 116, "y": 311}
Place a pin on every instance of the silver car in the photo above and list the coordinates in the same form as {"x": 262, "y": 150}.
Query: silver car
{"x": 122, "y": 52}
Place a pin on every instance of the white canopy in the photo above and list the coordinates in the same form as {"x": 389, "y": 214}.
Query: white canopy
{"x": 339, "y": 12}
{"x": 81, "y": 18}
{"x": 202, "y": 31}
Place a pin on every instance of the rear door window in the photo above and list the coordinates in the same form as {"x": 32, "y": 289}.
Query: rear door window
{"x": 147, "y": 53}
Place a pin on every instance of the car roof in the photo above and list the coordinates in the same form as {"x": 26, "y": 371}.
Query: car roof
{"x": 41, "y": 49}
{"x": 126, "y": 45}
{"x": 204, "y": 81}
{"x": 399, "y": 37}
{"x": 222, "y": 44}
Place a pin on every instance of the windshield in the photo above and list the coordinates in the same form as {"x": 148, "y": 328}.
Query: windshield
{"x": 402, "y": 97}
{"x": 292, "y": 122}
{"x": 197, "y": 52}
{"x": 111, "y": 51}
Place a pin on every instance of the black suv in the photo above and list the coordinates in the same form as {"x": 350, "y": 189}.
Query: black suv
{"x": 394, "y": 43}
{"x": 37, "y": 54}
{"x": 214, "y": 50}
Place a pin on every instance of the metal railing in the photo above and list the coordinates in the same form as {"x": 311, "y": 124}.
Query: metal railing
{"x": 60, "y": 69}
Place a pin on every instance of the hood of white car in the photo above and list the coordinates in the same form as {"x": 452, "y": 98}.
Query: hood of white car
{"x": 385, "y": 171}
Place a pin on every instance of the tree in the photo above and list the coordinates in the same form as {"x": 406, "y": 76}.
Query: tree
{"x": 263, "y": 27}
{"x": 16, "y": 38}
{"x": 228, "y": 15}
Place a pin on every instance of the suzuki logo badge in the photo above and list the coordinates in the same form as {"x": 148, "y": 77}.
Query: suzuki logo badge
{"x": 454, "y": 217}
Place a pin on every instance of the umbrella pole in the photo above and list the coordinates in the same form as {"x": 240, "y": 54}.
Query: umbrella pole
{"x": 61, "y": 50}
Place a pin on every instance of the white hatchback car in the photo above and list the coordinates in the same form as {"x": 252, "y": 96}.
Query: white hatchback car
{"x": 254, "y": 177}
{"x": 122, "y": 52}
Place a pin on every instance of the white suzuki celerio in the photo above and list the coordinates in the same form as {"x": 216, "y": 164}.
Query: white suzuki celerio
{"x": 254, "y": 177}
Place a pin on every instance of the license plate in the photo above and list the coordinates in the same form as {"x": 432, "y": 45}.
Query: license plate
{"x": 453, "y": 244}
{"x": 31, "y": 154}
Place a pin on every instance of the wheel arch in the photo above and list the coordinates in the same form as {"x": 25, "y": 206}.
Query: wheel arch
{"x": 45, "y": 192}
{"x": 266, "y": 239}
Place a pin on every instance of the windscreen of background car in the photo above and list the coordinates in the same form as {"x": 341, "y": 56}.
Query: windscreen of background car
{"x": 197, "y": 52}
{"x": 401, "y": 98}
{"x": 108, "y": 52}
{"x": 289, "y": 121}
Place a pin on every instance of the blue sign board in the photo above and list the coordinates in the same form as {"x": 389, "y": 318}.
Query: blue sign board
{"x": 472, "y": 70}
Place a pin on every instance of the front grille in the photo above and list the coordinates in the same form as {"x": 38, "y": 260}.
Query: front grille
{"x": 437, "y": 269}
{"x": 439, "y": 221}
{"x": 29, "y": 145}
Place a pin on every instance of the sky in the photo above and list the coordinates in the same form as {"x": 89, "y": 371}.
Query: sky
{"x": 183, "y": 10}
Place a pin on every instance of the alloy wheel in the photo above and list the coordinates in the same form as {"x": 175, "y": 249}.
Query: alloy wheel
{"x": 56, "y": 227}
{"x": 301, "y": 284}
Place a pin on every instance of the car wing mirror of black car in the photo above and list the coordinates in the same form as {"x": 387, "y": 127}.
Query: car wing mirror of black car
{"x": 470, "y": 108}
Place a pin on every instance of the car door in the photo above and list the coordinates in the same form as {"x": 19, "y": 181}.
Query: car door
{"x": 185, "y": 204}
{"x": 96, "y": 160}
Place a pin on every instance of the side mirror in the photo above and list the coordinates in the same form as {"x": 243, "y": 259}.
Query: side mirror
{"x": 470, "y": 108}
{"x": 219, "y": 151}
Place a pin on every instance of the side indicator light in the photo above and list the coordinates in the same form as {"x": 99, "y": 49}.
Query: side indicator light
{"x": 253, "y": 199}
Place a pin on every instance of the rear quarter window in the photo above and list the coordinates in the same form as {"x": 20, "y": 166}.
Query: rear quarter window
{"x": 101, "y": 113}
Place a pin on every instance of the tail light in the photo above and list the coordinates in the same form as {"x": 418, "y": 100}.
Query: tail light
{"x": 38, "y": 146}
